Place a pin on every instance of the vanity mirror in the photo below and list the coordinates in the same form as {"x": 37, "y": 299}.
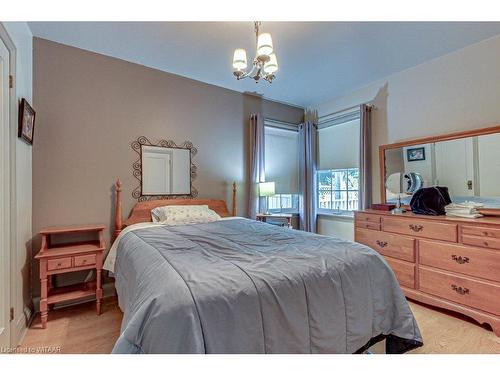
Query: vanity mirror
{"x": 468, "y": 163}
{"x": 164, "y": 170}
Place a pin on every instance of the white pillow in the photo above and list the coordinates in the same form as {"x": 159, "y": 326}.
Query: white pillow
{"x": 184, "y": 214}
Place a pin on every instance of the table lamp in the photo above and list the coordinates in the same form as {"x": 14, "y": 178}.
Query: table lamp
{"x": 266, "y": 189}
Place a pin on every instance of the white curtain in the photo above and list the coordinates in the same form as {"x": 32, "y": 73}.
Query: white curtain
{"x": 257, "y": 164}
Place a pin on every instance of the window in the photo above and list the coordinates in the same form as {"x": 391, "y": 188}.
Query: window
{"x": 281, "y": 150}
{"x": 338, "y": 163}
{"x": 283, "y": 203}
{"x": 338, "y": 190}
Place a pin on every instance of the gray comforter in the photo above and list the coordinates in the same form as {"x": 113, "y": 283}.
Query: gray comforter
{"x": 240, "y": 286}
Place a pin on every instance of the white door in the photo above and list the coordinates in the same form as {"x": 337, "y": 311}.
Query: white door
{"x": 156, "y": 170}
{"x": 455, "y": 166}
{"x": 4, "y": 199}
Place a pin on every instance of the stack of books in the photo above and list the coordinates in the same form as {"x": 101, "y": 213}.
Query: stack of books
{"x": 465, "y": 209}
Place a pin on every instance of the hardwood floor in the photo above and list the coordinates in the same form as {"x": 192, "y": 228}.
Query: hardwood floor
{"x": 78, "y": 329}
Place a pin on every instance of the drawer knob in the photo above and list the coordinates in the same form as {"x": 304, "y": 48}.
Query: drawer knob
{"x": 460, "y": 290}
{"x": 485, "y": 233}
{"x": 416, "y": 228}
{"x": 460, "y": 259}
{"x": 84, "y": 261}
{"x": 381, "y": 243}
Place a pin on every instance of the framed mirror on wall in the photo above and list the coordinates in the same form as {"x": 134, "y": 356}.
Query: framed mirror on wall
{"x": 467, "y": 163}
{"x": 164, "y": 169}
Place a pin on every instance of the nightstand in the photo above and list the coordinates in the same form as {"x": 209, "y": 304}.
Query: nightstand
{"x": 70, "y": 257}
{"x": 288, "y": 220}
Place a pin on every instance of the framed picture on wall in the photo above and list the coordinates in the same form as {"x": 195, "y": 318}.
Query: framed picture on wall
{"x": 415, "y": 154}
{"x": 26, "y": 122}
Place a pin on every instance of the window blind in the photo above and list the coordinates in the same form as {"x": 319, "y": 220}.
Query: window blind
{"x": 338, "y": 145}
{"x": 281, "y": 158}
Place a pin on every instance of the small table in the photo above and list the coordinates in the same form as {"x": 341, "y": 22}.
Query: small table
{"x": 287, "y": 217}
{"x": 70, "y": 257}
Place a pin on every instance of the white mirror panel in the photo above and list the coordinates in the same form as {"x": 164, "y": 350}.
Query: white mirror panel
{"x": 165, "y": 171}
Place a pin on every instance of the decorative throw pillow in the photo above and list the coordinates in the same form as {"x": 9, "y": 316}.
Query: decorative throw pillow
{"x": 184, "y": 214}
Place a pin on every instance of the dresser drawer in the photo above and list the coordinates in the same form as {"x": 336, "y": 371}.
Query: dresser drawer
{"x": 58, "y": 264}
{"x": 478, "y": 294}
{"x": 462, "y": 259}
{"x": 85, "y": 260}
{"x": 362, "y": 217}
{"x": 404, "y": 271}
{"x": 488, "y": 242}
{"x": 421, "y": 228}
{"x": 392, "y": 245}
{"x": 481, "y": 231}
{"x": 367, "y": 225}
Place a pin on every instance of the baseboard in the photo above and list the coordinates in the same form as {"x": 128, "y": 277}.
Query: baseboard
{"x": 22, "y": 323}
{"x": 108, "y": 290}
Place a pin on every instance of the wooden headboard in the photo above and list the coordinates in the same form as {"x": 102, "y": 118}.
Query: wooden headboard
{"x": 141, "y": 212}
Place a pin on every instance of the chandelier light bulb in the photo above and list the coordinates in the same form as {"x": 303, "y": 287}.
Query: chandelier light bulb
{"x": 264, "y": 44}
{"x": 272, "y": 65}
{"x": 240, "y": 59}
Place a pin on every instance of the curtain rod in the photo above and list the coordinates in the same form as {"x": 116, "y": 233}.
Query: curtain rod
{"x": 281, "y": 124}
{"x": 371, "y": 106}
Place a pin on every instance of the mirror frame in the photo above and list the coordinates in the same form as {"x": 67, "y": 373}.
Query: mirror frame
{"x": 430, "y": 139}
{"x": 137, "y": 168}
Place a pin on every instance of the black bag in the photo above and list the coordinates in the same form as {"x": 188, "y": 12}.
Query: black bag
{"x": 430, "y": 200}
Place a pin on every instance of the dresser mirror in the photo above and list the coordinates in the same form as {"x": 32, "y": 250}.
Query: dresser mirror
{"x": 468, "y": 163}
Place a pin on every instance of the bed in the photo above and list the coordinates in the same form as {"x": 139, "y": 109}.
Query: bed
{"x": 241, "y": 286}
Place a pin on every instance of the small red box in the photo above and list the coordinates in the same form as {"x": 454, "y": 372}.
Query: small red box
{"x": 383, "y": 206}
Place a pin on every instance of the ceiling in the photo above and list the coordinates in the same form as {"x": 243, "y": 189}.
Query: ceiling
{"x": 318, "y": 61}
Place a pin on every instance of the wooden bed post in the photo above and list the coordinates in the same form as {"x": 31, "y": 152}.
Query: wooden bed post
{"x": 118, "y": 208}
{"x": 233, "y": 209}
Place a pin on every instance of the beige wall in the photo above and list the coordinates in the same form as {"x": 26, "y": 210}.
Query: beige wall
{"x": 458, "y": 91}
{"x": 91, "y": 107}
{"x": 21, "y": 37}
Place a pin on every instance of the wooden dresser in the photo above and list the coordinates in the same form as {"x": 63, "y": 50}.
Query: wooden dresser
{"x": 446, "y": 262}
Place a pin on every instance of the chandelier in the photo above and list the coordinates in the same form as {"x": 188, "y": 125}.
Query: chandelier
{"x": 264, "y": 64}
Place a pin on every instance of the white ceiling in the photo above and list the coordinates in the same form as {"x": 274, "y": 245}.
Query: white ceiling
{"x": 318, "y": 60}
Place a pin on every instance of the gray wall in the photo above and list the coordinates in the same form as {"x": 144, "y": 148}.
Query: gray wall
{"x": 91, "y": 107}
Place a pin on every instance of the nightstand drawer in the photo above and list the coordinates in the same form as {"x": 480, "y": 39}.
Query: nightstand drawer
{"x": 58, "y": 264}
{"x": 85, "y": 260}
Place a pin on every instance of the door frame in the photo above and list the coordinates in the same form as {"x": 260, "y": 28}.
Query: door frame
{"x": 10, "y": 142}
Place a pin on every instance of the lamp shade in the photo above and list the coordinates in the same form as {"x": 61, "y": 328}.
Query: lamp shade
{"x": 266, "y": 189}
{"x": 272, "y": 65}
{"x": 264, "y": 44}
{"x": 240, "y": 59}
